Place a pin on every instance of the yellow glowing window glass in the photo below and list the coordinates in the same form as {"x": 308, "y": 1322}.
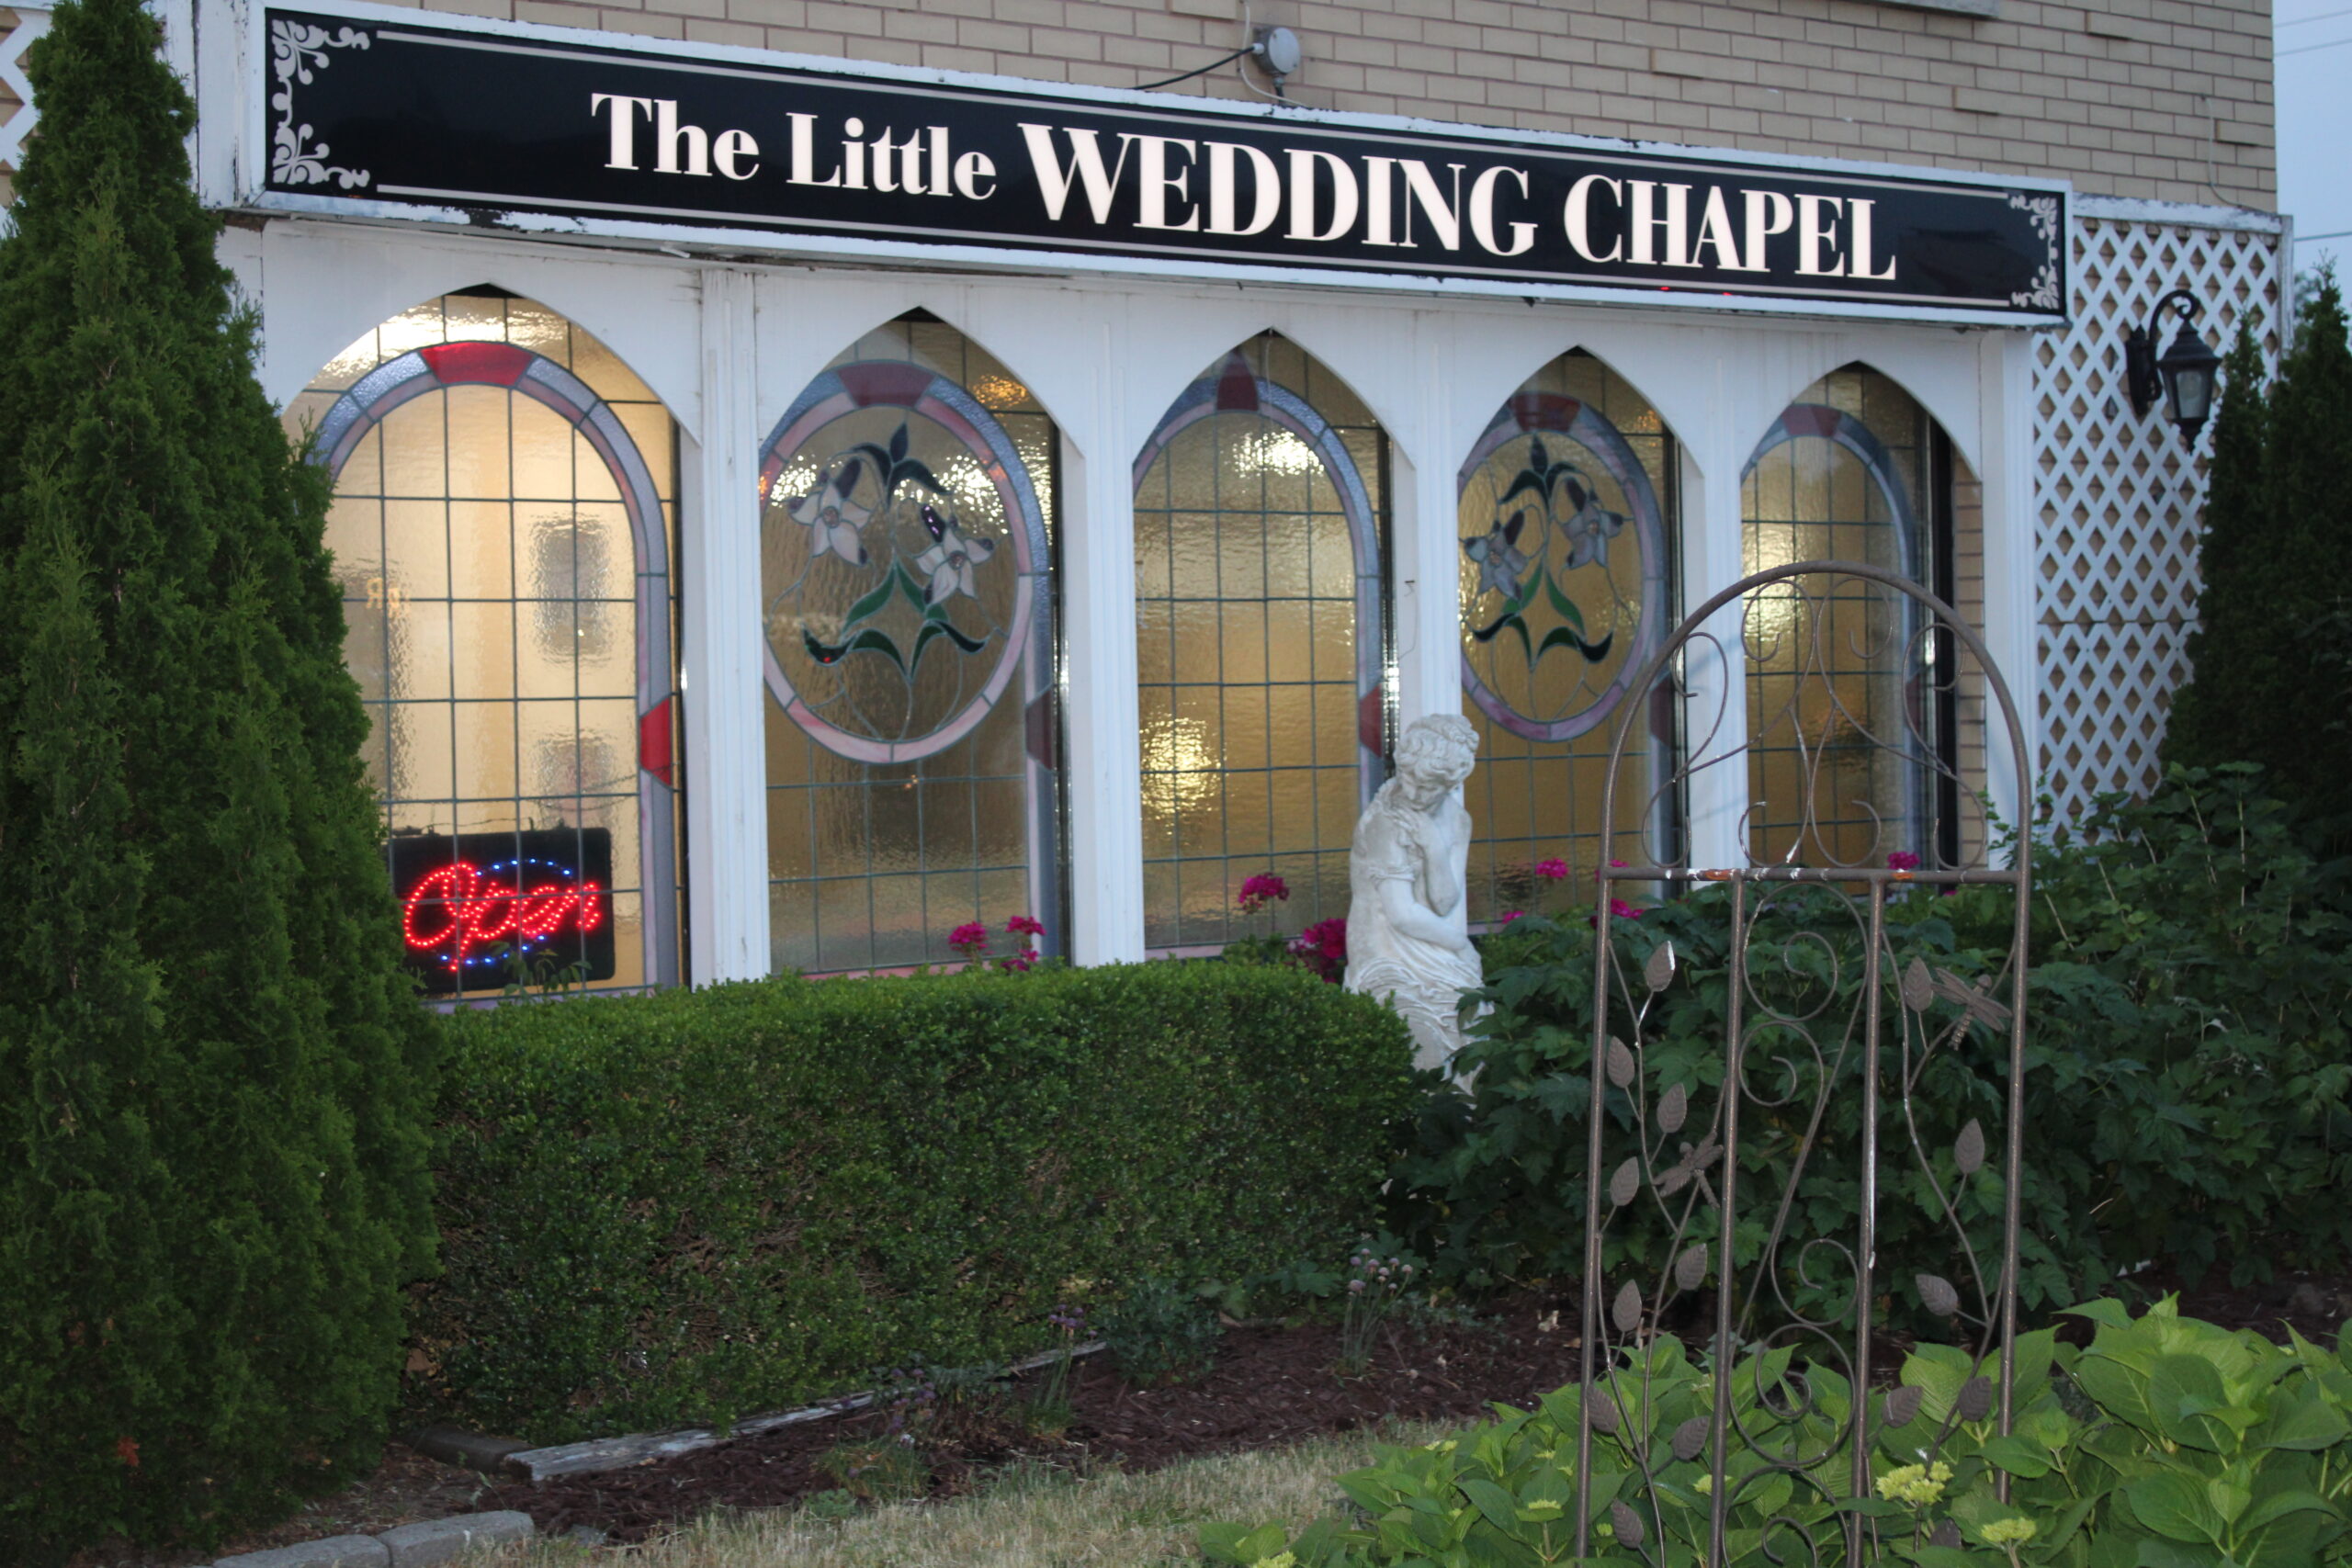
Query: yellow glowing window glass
{"x": 907, "y": 555}
{"x": 503, "y": 524}
{"x": 1567, "y": 523}
{"x": 1839, "y": 759}
{"x": 1260, "y": 509}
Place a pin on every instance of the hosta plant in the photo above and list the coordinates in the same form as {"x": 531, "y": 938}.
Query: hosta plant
{"x": 2166, "y": 1443}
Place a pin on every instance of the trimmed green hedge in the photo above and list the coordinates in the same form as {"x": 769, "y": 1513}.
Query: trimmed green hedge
{"x": 699, "y": 1205}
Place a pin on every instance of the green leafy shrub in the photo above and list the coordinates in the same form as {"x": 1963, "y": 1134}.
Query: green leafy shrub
{"x": 2166, "y": 1442}
{"x": 1161, "y": 1334}
{"x": 214, "y": 1083}
{"x": 2188, "y": 1066}
{"x": 2275, "y": 552}
{"x": 696, "y": 1205}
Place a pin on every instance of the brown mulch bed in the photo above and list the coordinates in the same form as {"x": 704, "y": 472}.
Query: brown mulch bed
{"x": 1271, "y": 1385}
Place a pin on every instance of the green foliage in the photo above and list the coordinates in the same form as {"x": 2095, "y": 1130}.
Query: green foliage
{"x": 2192, "y": 983}
{"x": 2270, "y": 670}
{"x": 2166, "y": 1443}
{"x": 1161, "y": 1334}
{"x": 213, "y": 1077}
{"x": 2187, "y": 1068}
{"x": 870, "y": 1470}
{"x": 697, "y": 1206}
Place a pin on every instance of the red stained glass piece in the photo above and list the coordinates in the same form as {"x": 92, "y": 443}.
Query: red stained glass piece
{"x": 656, "y": 752}
{"x": 497, "y": 364}
{"x": 885, "y": 381}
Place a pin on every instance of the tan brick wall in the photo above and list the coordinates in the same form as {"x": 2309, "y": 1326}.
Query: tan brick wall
{"x": 1968, "y": 599}
{"x": 2126, "y": 98}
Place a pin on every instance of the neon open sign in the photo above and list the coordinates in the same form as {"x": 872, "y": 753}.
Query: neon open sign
{"x": 472, "y": 903}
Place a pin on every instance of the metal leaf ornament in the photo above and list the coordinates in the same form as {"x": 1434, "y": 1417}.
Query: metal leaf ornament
{"x": 1621, "y": 1064}
{"x": 1919, "y": 985}
{"x": 1625, "y": 1312}
{"x": 1603, "y": 1411}
{"x": 1674, "y": 1107}
{"x": 1968, "y": 1150}
{"x": 1975, "y": 1401}
{"x": 1938, "y": 1296}
{"x": 1627, "y": 1524}
{"x": 1691, "y": 1437}
{"x": 1626, "y": 1185}
{"x": 1903, "y": 1404}
{"x": 1691, "y": 1268}
{"x": 1658, "y": 971}
{"x": 1946, "y": 1534}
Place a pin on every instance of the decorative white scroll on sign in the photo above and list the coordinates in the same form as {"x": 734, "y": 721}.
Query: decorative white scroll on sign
{"x": 32, "y": 21}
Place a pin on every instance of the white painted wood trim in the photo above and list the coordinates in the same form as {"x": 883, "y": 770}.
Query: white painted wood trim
{"x": 1102, "y": 719}
{"x": 2135, "y": 210}
{"x": 726, "y": 779}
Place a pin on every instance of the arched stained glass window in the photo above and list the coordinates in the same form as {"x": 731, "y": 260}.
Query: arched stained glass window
{"x": 907, "y": 572}
{"x": 1843, "y": 736}
{"x": 502, "y": 528}
{"x": 1260, "y": 508}
{"x": 1567, "y": 515}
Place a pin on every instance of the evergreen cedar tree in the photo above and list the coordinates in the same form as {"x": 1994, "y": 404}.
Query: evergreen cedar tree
{"x": 2271, "y": 671}
{"x": 214, "y": 1080}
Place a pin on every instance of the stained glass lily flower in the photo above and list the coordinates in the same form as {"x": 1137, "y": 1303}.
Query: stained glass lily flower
{"x": 833, "y": 520}
{"x": 949, "y": 561}
{"x": 1590, "y": 527}
{"x": 1498, "y": 558}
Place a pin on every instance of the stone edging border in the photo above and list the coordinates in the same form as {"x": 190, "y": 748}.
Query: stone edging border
{"x": 618, "y": 1453}
{"x": 424, "y": 1544}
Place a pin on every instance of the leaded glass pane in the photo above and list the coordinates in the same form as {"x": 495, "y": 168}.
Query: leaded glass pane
{"x": 906, "y": 558}
{"x": 1835, "y": 772}
{"x": 493, "y": 585}
{"x": 1567, "y": 526}
{"x": 1259, "y": 508}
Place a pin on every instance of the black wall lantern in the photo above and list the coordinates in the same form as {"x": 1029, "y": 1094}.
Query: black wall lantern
{"x": 2183, "y": 375}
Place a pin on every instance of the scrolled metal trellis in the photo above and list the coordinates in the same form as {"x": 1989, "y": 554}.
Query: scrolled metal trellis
{"x": 1784, "y": 1063}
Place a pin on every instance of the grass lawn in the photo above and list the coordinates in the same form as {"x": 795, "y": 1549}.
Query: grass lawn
{"x": 1025, "y": 1517}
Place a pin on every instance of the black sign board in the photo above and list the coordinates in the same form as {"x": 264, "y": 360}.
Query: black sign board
{"x": 441, "y": 118}
{"x": 471, "y": 902}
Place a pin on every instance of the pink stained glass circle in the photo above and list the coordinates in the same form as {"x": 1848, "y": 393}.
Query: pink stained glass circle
{"x": 900, "y": 555}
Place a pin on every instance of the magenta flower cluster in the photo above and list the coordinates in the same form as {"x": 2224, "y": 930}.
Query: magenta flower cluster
{"x": 1902, "y": 860}
{"x": 1554, "y": 870}
{"x": 970, "y": 941}
{"x": 1323, "y": 947}
{"x": 1261, "y": 890}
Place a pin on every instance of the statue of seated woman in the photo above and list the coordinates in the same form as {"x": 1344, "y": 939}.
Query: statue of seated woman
{"x": 1408, "y": 933}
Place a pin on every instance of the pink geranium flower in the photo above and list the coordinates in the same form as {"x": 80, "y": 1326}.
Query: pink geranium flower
{"x": 1323, "y": 947}
{"x": 1511, "y": 915}
{"x": 1552, "y": 870}
{"x": 1261, "y": 890}
{"x": 1025, "y": 925}
{"x": 969, "y": 939}
{"x": 1902, "y": 860}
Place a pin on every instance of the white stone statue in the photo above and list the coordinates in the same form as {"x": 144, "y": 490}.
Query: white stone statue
{"x": 1408, "y": 933}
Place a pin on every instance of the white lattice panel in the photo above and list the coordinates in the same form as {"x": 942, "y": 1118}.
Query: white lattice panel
{"x": 16, "y": 92}
{"x": 2120, "y": 495}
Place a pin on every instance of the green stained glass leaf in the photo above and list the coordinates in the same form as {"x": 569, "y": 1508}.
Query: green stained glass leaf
{"x": 873, "y": 601}
{"x": 937, "y": 625}
{"x": 1528, "y": 479}
{"x": 1561, "y": 636}
{"x": 1562, "y": 605}
{"x": 869, "y": 641}
{"x": 920, "y": 473}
